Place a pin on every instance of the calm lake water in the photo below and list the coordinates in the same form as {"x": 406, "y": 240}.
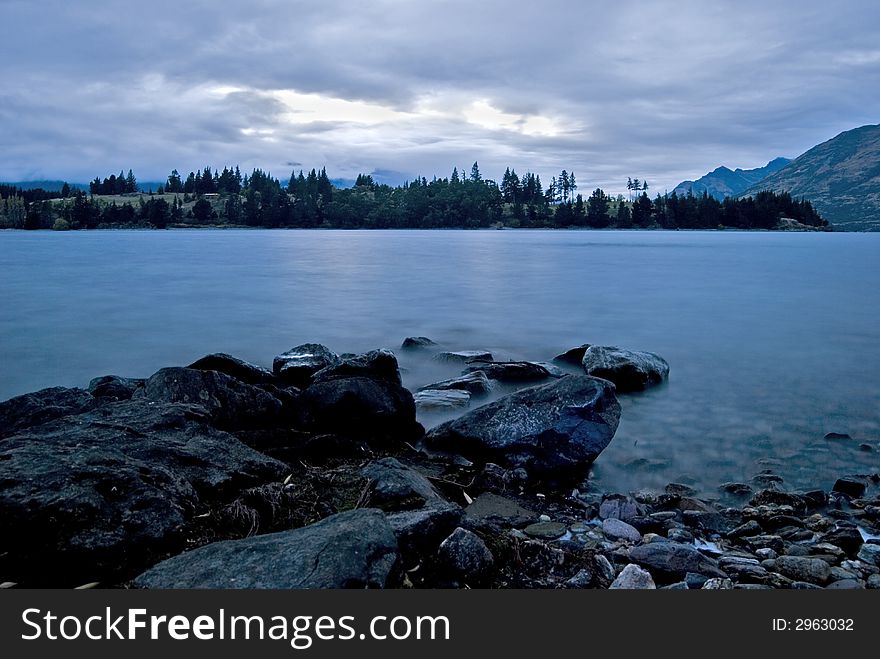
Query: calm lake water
{"x": 773, "y": 339}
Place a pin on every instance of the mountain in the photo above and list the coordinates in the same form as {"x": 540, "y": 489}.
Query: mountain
{"x": 725, "y": 182}
{"x": 841, "y": 177}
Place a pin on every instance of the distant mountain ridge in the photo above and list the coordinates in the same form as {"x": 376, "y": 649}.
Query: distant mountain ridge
{"x": 841, "y": 177}
{"x": 724, "y": 182}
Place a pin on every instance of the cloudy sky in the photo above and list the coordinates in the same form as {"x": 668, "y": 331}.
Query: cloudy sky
{"x": 658, "y": 90}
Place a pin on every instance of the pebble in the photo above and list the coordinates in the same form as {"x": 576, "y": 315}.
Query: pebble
{"x": 615, "y": 529}
{"x": 632, "y": 577}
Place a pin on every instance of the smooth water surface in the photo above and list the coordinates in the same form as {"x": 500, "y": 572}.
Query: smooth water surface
{"x": 773, "y": 338}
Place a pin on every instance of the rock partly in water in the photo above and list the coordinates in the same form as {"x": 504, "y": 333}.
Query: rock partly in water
{"x": 417, "y": 343}
{"x": 464, "y": 356}
{"x": 572, "y": 357}
{"x": 437, "y": 400}
{"x": 550, "y": 429}
{"x": 850, "y": 486}
{"x": 376, "y": 364}
{"x": 231, "y": 402}
{"x": 630, "y": 370}
{"x": 88, "y": 497}
{"x": 632, "y": 577}
{"x": 510, "y": 371}
{"x": 465, "y": 556}
{"x": 113, "y": 388}
{"x": 361, "y": 407}
{"x": 671, "y": 561}
{"x": 837, "y": 435}
{"x": 42, "y": 406}
{"x": 236, "y": 368}
{"x": 299, "y": 364}
{"x": 474, "y": 382}
{"x": 354, "y": 549}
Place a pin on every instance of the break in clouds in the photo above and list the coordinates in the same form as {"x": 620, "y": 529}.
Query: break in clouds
{"x": 663, "y": 91}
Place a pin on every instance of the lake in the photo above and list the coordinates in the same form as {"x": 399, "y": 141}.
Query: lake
{"x": 773, "y": 338}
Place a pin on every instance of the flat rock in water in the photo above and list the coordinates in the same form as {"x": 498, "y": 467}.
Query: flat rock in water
{"x": 236, "y": 368}
{"x": 436, "y": 400}
{"x": 837, "y": 435}
{"x": 511, "y": 371}
{"x": 376, "y": 364}
{"x": 113, "y": 388}
{"x": 632, "y": 577}
{"x": 100, "y": 495}
{"x": 548, "y": 429}
{"x": 297, "y": 365}
{"x": 491, "y": 508}
{"x": 354, "y": 549}
{"x": 474, "y": 382}
{"x": 672, "y": 561}
{"x": 573, "y": 356}
{"x": 545, "y": 530}
{"x": 849, "y": 486}
{"x": 630, "y": 370}
{"x": 41, "y": 406}
{"x": 417, "y": 342}
{"x": 231, "y": 402}
{"x": 464, "y": 356}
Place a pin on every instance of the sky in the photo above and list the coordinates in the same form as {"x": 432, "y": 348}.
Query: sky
{"x": 662, "y": 91}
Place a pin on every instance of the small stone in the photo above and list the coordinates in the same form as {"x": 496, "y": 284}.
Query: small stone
{"x": 695, "y": 581}
{"x": 616, "y": 529}
{"x": 632, "y": 577}
{"x": 867, "y": 448}
{"x": 680, "y": 535}
{"x": 718, "y": 584}
{"x": 750, "y": 528}
{"x": 766, "y": 553}
{"x": 680, "y": 489}
{"x": 583, "y": 579}
{"x": 417, "y": 342}
{"x": 678, "y": 585}
{"x": 849, "y": 486}
{"x": 604, "y": 570}
{"x": 737, "y": 489}
{"x": 544, "y": 518}
{"x": 545, "y": 530}
{"x": 870, "y": 553}
{"x": 466, "y": 555}
{"x": 618, "y": 506}
{"x": 815, "y": 498}
{"x": 873, "y": 582}
{"x": 800, "y": 568}
{"x": 846, "y": 584}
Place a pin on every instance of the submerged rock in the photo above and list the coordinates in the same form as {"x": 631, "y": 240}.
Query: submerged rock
{"x": 850, "y": 486}
{"x": 511, "y": 371}
{"x": 354, "y": 549}
{"x": 474, "y": 382}
{"x": 236, "y": 368}
{"x": 492, "y": 509}
{"x": 549, "y": 429}
{"x": 630, "y": 370}
{"x": 417, "y": 343}
{"x": 376, "y": 364}
{"x": 42, "y": 406}
{"x": 92, "y": 496}
{"x": 436, "y": 400}
{"x": 113, "y": 388}
{"x": 297, "y": 365}
{"x": 464, "y": 356}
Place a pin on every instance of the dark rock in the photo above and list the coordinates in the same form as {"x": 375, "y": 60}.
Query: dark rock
{"x": 718, "y": 584}
{"x": 102, "y": 494}
{"x": 846, "y": 584}
{"x": 750, "y": 528}
{"x": 491, "y": 509}
{"x": 849, "y": 486}
{"x": 815, "y": 498}
{"x": 801, "y": 568}
{"x": 231, "y": 402}
{"x": 299, "y": 364}
{"x": 680, "y": 489}
{"x": 867, "y": 448}
{"x": 632, "y": 577}
{"x": 766, "y": 480}
{"x": 465, "y": 556}
{"x": 474, "y": 382}
{"x": 417, "y": 342}
{"x": 616, "y": 529}
{"x": 671, "y": 561}
{"x": 837, "y": 435}
{"x": 847, "y": 538}
{"x": 737, "y": 489}
{"x": 782, "y": 521}
{"x": 680, "y": 535}
{"x": 777, "y": 498}
{"x": 421, "y": 531}
{"x": 605, "y": 573}
{"x": 437, "y": 400}
{"x": 545, "y": 530}
{"x": 695, "y": 581}
{"x": 678, "y": 585}
{"x": 554, "y": 429}
{"x": 39, "y": 407}
{"x": 757, "y": 542}
{"x": 354, "y": 549}
{"x": 619, "y": 506}
{"x": 395, "y": 487}
{"x": 583, "y": 578}
{"x": 362, "y": 407}
{"x": 572, "y": 357}
{"x": 510, "y": 371}
{"x": 112, "y": 388}
{"x": 803, "y": 585}
{"x": 464, "y": 356}
{"x": 873, "y": 582}
{"x": 628, "y": 369}
{"x": 376, "y": 364}
{"x": 236, "y": 368}
{"x": 870, "y": 554}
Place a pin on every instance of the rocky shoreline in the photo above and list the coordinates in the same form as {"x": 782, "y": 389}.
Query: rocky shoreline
{"x": 316, "y": 474}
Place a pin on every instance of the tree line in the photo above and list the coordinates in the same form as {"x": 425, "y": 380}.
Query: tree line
{"x": 309, "y": 200}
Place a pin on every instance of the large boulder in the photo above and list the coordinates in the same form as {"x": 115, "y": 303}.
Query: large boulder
{"x": 376, "y": 364}
{"x": 231, "y": 402}
{"x": 299, "y": 364}
{"x": 511, "y": 371}
{"x": 549, "y": 429}
{"x": 42, "y": 406}
{"x": 354, "y": 549}
{"x": 628, "y": 369}
{"x": 362, "y": 407}
{"x": 237, "y": 368}
{"x": 114, "y": 388}
{"x": 101, "y": 495}
{"x": 474, "y": 382}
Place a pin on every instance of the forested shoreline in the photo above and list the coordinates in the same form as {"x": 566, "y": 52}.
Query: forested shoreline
{"x": 215, "y": 198}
